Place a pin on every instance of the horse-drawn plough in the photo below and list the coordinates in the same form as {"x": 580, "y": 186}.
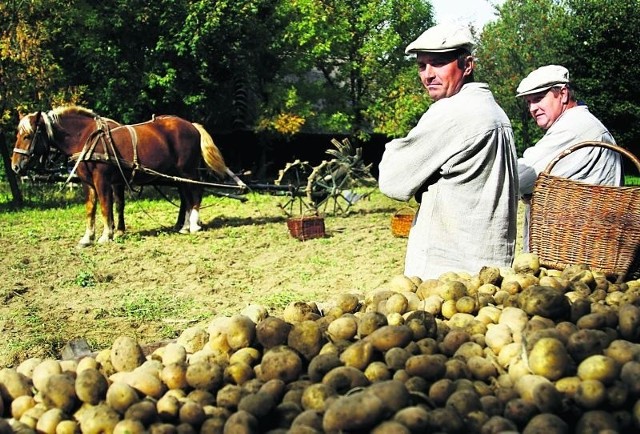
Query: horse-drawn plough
{"x": 108, "y": 156}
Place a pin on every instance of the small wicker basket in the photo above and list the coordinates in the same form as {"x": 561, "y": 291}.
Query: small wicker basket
{"x": 401, "y": 221}
{"x": 306, "y": 227}
{"x": 574, "y": 222}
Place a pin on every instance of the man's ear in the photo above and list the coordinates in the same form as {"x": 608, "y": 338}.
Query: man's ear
{"x": 565, "y": 95}
{"x": 469, "y": 64}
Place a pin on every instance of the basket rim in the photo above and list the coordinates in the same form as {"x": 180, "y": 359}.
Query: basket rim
{"x": 590, "y": 143}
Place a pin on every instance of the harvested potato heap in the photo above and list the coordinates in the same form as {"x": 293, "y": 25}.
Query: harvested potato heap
{"x": 523, "y": 349}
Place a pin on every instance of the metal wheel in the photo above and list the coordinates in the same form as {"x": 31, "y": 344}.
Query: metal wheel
{"x": 294, "y": 176}
{"x": 328, "y": 187}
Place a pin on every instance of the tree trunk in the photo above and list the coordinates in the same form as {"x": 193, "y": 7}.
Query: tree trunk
{"x": 11, "y": 176}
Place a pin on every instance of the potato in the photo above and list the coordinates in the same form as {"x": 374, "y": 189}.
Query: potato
{"x": 544, "y": 301}
{"x": 414, "y": 417}
{"x": 120, "y": 396}
{"x": 348, "y": 303}
{"x": 388, "y": 336}
{"x": 343, "y": 328}
{"x": 622, "y": 351}
{"x": 427, "y": 366}
{"x": 145, "y": 411}
{"x": 549, "y": 358}
{"x": 599, "y": 367}
{"x": 308, "y": 421}
{"x": 240, "y": 332}
{"x": 229, "y": 396}
{"x": 344, "y": 378}
{"x": 597, "y": 421}
{"x": 585, "y": 343}
{"x": 168, "y": 408}
{"x": 590, "y": 394}
{"x": 315, "y": 396}
{"x": 99, "y": 419}
{"x": 306, "y": 337}
{"x": 238, "y": 373}
{"x": 191, "y": 413}
{"x": 272, "y": 331}
{"x": 255, "y": 312}
{"x": 43, "y": 371}
{"x": 464, "y": 402}
{"x": 377, "y": 371}
{"x": 204, "y": 375}
{"x": 453, "y": 340}
{"x": 595, "y": 320}
{"x": 282, "y": 363}
{"x": 174, "y": 375}
{"x": 174, "y": 352}
{"x": 369, "y": 322}
{"x": 546, "y": 423}
{"x": 321, "y": 364}
{"x": 59, "y": 392}
{"x": 360, "y": 411}
{"x": 481, "y": 368}
{"x": 49, "y": 420}
{"x": 129, "y": 426}
{"x": 126, "y": 354}
{"x": 21, "y": 404}
{"x": 359, "y": 355}
{"x": 629, "y": 322}
{"x": 91, "y": 386}
{"x": 193, "y": 339}
{"x": 298, "y": 311}
{"x": 146, "y": 383}
{"x": 241, "y": 422}
{"x": 498, "y": 336}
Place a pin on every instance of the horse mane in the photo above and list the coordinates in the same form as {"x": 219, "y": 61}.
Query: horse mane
{"x": 73, "y": 109}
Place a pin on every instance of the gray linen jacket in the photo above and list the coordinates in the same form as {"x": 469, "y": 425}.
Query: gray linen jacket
{"x": 460, "y": 162}
{"x": 594, "y": 165}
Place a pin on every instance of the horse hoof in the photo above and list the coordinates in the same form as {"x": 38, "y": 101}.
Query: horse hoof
{"x": 195, "y": 230}
{"x": 83, "y": 244}
{"x": 184, "y": 231}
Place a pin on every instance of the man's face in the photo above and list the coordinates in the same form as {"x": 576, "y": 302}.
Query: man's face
{"x": 547, "y": 106}
{"x": 440, "y": 74}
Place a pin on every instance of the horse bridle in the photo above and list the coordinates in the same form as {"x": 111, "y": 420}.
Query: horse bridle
{"x": 34, "y": 140}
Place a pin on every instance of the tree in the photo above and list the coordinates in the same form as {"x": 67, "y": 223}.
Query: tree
{"x": 527, "y": 34}
{"x": 356, "y": 49}
{"x": 602, "y": 55}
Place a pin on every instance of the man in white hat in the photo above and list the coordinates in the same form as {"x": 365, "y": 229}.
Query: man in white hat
{"x": 459, "y": 162}
{"x": 551, "y": 102}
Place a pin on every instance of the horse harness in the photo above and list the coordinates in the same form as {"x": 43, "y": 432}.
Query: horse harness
{"x": 102, "y": 134}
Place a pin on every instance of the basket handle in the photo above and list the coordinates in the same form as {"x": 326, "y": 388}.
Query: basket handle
{"x": 413, "y": 211}
{"x": 580, "y": 145}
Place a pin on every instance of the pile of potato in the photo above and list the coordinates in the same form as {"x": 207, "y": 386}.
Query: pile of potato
{"x": 522, "y": 349}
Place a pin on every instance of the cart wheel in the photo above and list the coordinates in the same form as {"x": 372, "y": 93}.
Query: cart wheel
{"x": 328, "y": 185}
{"x": 294, "y": 176}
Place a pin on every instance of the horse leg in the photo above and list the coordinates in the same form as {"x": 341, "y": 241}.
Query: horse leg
{"x": 105, "y": 197}
{"x": 118, "y": 198}
{"x": 194, "y": 205}
{"x": 189, "y": 200}
{"x": 90, "y": 212}
{"x": 182, "y": 214}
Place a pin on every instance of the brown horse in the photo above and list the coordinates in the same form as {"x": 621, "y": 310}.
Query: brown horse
{"x": 166, "y": 149}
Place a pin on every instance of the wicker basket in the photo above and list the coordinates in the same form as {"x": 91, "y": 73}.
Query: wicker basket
{"x": 401, "y": 221}
{"x": 574, "y": 222}
{"x": 306, "y": 227}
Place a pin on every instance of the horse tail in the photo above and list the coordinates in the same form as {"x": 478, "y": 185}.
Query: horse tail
{"x": 210, "y": 152}
{"x": 213, "y": 157}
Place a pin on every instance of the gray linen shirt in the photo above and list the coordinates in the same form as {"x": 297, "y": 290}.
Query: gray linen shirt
{"x": 460, "y": 162}
{"x": 594, "y": 165}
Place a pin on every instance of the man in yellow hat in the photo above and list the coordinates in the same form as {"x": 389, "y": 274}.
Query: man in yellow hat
{"x": 551, "y": 102}
{"x": 459, "y": 162}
